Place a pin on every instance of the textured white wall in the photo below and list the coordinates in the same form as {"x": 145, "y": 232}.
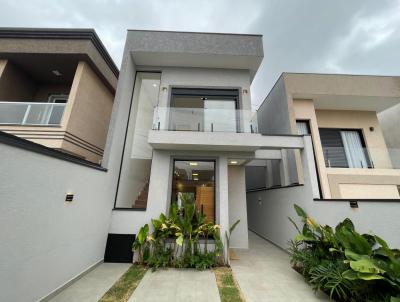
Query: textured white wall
{"x": 44, "y": 242}
{"x": 237, "y": 206}
{"x": 268, "y": 212}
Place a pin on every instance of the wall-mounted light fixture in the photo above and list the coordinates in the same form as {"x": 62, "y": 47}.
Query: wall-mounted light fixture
{"x": 353, "y": 204}
{"x": 164, "y": 89}
{"x": 245, "y": 91}
{"x": 69, "y": 197}
{"x": 371, "y": 129}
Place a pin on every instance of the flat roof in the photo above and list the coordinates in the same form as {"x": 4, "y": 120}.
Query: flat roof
{"x": 61, "y": 33}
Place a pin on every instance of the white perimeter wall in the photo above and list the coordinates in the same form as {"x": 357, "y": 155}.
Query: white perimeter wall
{"x": 268, "y": 212}
{"x": 43, "y": 242}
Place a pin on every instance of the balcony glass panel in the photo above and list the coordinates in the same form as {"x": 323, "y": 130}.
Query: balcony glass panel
{"x": 31, "y": 113}
{"x": 218, "y": 117}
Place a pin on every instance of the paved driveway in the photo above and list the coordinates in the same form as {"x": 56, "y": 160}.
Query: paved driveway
{"x": 177, "y": 286}
{"x": 264, "y": 274}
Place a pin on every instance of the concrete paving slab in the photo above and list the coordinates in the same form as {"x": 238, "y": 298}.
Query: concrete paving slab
{"x": 264, "y": 274}
{"x": 92, "y": 286}
{"x": 177, "y": 285}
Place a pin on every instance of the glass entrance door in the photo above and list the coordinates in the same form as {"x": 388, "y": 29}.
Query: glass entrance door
{"x": 194, "y": 181}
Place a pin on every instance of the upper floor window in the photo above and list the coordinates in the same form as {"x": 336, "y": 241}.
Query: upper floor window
{"x": 303, "y": 127}
{"x": 204, "y": 109}
{"x": 344, "y": 148}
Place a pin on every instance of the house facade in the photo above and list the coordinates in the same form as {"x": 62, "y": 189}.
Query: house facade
{"x": 181, "y": 126}
{"x": 57, "y": 89}
{"x": 356, "y": 158}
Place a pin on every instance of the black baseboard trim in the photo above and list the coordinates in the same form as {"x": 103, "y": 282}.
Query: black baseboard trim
{"x": 358, "y": 200}
{"x": 273, "y": 188}
{"x": 130, "y": 209}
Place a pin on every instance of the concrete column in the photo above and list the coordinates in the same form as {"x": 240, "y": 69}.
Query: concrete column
{"x": 222, "y": 207}
{"x": 284, "y": 167}
{"x": 309, "y": 169}
{"x": 269, "y": 178}
{"x": 159, "y": 194}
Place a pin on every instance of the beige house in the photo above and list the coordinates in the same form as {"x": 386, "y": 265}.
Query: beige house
{"x": 341, "y": 113}
{"x": 57, "y": 89}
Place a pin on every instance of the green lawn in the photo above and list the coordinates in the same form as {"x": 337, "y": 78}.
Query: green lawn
{"x": 124, "y": 287}
{"x": 228, "y": 289}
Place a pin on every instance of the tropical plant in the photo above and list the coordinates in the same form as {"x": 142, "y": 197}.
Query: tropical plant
{"x": 344, "y": 263}
{"x": 176, "y": 240}
{"x": 228, "y": 234}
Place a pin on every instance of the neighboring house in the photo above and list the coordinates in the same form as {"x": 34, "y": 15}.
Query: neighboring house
{"x": 57, "y": 89}
{"x": 341, "y": 113}
{"x": 181, "y": 125}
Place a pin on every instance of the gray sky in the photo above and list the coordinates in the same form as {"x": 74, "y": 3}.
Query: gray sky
{"x": 340, "y": 36}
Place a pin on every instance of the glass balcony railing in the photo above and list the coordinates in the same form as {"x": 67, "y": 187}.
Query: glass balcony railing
{"x": 204, "y": 120}
{"x": 31, "y": 113}
{"x": 361, "y": 157}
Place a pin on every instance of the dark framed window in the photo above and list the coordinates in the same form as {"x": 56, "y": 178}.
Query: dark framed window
{"x": 198, "y": 109}
{"x": 194, "y": 181}
{"x": 303, "y": 127}
{"x": 344, "y": 148}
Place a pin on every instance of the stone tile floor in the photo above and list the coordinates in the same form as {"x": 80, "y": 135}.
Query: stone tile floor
{"x": 177, "y": 285}
{"x": 93, "y": 285}
{"x": 264, "y": 274}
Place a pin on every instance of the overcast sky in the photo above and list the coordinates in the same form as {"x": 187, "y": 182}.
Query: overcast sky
{"x": 337, "y": 36}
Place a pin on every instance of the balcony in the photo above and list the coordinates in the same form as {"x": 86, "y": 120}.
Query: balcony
{"x": 204, "y": 120}
{"x": 31, "y": 113}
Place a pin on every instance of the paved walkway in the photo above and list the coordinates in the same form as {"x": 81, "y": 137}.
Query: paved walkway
{"x": 177, "y": 286}
{"x": 92, "y": 286}
{"x": 264, "y": 274}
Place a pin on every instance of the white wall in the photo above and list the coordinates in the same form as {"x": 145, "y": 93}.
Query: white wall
{"x": 237, "y": 206}
{"x": 268, "y": 212}
{"x": 43, "y": 242}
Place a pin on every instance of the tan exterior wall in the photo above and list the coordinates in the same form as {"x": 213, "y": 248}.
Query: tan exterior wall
{"x": 15, "y": 85}
{"x": 339, "y": 182}
{"x": 83, "y": 129}
{"x": 89, "y": 115}
{"x": 44, "y": 91}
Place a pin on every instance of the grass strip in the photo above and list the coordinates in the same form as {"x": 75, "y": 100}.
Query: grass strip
{"x": 125, "y": 286}
{"x": 228, "y": 289}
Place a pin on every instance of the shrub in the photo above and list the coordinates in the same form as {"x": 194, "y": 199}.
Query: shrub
{"x": 175, "y": 240}
{"x": 349, "y": 266}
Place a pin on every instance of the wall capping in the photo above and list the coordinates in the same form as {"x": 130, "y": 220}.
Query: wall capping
{"x": 21, "y": 143}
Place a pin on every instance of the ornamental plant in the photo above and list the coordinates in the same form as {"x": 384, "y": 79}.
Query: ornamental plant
{"x": 176, "y": 240}
{"x": 347, "y": 265}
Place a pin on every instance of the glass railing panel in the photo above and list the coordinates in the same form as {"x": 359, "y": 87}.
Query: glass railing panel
{"x": 204, "y": 120}
{"x": 362, "y": 157}
{"x": 31, "y": 113}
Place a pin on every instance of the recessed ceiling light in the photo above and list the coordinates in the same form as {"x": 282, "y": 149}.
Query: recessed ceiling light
{"x": 193, "y": 164}
{"x": 154, "y": 85}
{"x": 233, "y": 162}
{"x": 57, "y": 73}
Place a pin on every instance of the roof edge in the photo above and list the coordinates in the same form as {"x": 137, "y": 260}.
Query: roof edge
{"x": 61, "y": 33}
{"x": 195, "y": 32}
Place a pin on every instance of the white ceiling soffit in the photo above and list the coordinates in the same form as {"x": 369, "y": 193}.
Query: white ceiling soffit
{"x": 199, "y": 60}
{"x": 341, "y": 102}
